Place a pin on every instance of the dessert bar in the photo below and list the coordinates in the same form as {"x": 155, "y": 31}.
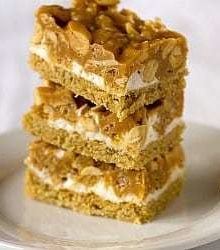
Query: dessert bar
{"x": 111, "y": 57}
{"x": 82, "y": 184}
{"x": 71, "y": 122}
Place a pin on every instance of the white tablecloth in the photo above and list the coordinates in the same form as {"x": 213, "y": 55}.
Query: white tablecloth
{"x": 198, "y": 20}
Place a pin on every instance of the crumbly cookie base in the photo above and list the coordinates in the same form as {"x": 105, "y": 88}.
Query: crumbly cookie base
{"x": 92, "y": 204}
{"x": 36, "y": 124}
{"x": 122, "y": 106}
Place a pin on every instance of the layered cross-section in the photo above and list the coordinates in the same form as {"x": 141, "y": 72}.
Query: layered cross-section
{"x": 74, "y": 123}
{"x": 80, "y": 183}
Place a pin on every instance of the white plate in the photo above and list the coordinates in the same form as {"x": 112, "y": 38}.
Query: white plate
{"x": 193, "y": 219}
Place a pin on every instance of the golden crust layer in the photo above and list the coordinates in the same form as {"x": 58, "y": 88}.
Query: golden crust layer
{"x": 93, "y": 205}
{"x": 60, "y": 165}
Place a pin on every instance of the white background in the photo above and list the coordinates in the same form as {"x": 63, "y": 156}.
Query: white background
{"x": 198, "y": 20}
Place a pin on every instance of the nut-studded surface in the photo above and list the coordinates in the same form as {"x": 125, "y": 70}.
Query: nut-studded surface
{"x": 109, "y": 43}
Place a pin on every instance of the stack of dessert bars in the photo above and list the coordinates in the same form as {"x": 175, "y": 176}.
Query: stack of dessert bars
{"x": 107, "y": 116}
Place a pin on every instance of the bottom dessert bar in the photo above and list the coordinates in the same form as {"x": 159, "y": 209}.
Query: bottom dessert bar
{"x": 96, "y": 188}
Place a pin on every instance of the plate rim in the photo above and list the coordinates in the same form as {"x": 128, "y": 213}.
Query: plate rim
{"x": 181, "y": 239}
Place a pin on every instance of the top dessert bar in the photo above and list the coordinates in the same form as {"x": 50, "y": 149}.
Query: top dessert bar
{"x": 82, "y": 184}
{"x": 109, "y": 56}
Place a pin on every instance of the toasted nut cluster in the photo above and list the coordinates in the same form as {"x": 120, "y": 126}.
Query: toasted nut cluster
{"x": 169, "y": 46}
{"x": 79, "y": 37}
{"x": 175, "y": 57}
{"x": 85, "y": 11}
{"x": 91, "y": 170}
{"x": 52, "y": 96}
{"x": 100, "y": 57}
{"x": 95, "y": 21}
{"x": 136, "y": 135}
{"x": 89, "y": 123}
{"x": 127, "y": 182}
{"x": 150, "y": 70}
{"x": 48, "y": 14}
{"x": 64, "y": 37}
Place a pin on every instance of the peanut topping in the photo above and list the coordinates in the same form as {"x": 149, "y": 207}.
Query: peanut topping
{"x": 98, "y": 21}
{"x": 136, "y": 135}
{"x": 53, "y": 97}
{"x": 53, "y": 12}
{"x": 79, "y": 37}
{"x": 168, "y": 48}
{"x": 175, "y": 57}
{"x": 106, "y": 41}
{"x": 91, "y": 171}
{"x": 89, "y": 124}
{"x": 107, "y": 2}
{"x": 150, "y": 70}
{"x": 132, "y": 32}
